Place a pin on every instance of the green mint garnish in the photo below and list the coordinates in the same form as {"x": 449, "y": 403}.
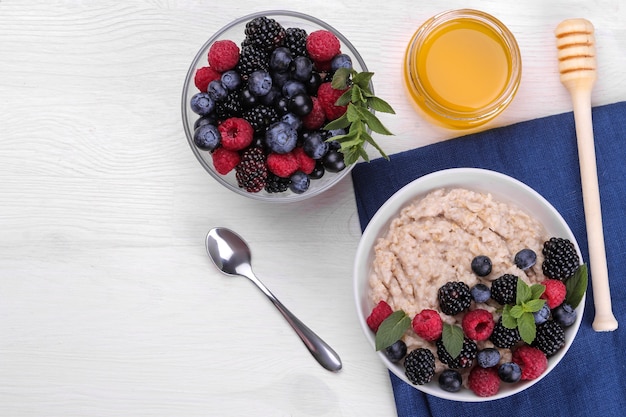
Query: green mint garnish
{"x": 392, "y": 329}
{"x": 359, "y": 100}
{"x": 520, "y": 315}
{"x": 576, "y": 286}
{"x": 452, "y": 338}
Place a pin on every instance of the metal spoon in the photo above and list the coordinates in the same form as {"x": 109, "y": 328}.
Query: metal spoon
{"x": 231, "y": 255}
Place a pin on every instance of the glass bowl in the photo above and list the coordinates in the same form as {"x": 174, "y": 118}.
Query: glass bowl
{"x": 234, "y": 31}
{"x": 503, "y": 189}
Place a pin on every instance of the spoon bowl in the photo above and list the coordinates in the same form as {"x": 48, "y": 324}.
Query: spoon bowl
{"x": 231, "y": 255}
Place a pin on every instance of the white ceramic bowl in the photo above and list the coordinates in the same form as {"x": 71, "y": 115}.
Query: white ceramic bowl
{"x": 235, "y": 31}
{"x": 503, "y": 188}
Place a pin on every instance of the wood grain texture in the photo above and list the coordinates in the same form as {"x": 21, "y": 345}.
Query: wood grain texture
{"x": 109, "y": 305}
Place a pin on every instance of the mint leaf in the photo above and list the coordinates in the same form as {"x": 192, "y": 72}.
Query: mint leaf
{"x": 339, "y": 123}
{"x": 527, "y": 327}
{"x": 452, "y": 338}
{"x": 576, "y": 286}
{"x": 372, "y": 121}
{"x": 508, "y": 320}
{"x": 517, "y": 311}
{"x": 378, "y": 104}
{"x": 533, "y": 306}
{"x": 340, "y": 78}
{"x": 523, "y": 293}
{"x": 392, "y": 329}
{"x": 537, "y": 290}
{"x": 362, "y": 79}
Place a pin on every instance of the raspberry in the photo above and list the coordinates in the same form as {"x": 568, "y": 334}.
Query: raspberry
{"x": 316, "y": 118}
{"x": 306, "y": 164}
{"x": 531, "y": 360}
{"x": 485, "y": 382}
{"x": 322, "y": 45}
{"x": 223, "y": 55}
{"x": 224, "y": 160}
{"x": 478, "y": 324}
{"x": 282, "y": 165}
{"x": 419, "y": 366}
{"x": 378, "y": 315}
{"x": 327, "y": 97}
{"x": 204, "y": 76}
{"x": 555, "y": 292}
{"x": 428, "y": 325}
{"x": 236, "y": 133}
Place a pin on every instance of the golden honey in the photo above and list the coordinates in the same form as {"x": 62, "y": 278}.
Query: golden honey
{"x": 462, "y": 68}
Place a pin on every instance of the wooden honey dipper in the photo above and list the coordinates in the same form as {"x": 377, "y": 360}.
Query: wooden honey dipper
{"x": 577, "y": 66}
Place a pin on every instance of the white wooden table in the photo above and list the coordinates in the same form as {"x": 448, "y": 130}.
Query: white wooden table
{"x": 109, "y": 305}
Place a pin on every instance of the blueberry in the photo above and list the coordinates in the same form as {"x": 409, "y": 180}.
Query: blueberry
{"x": 280, "y": 137}
{"x": 301, "y": 104}
{"x": 301, "y": 68}
{"x": 202, "y": 104}
{"x": 247, "y": 99}
{"x": 564, "y": 314}
{"x": 480, "y": 293}
{"x": 217, "y": 91}
{"x": 525, "y": 259}
{"x": 318, "y": 171}
{"x": 207, "y": 137}
{"x": 509, "y": 372}
{"x": 280, "y": 78}
{"x": 334, "y": 145}
{"x": 313, "y": 83}
{"x": 340, "y": 61}
{"x": 292, "y": 120}
{"x": 209, "y": 119}
{"x": 299, "y": 182}
{"x": 488, "y": 357}
{"x": 260, "y": 83}
{"x": 314, "y": 146}
{"x": 293, "y": 87}
{"x": 481, "y": 265}
{"x": 270, "y": 98}
{"x": 450, "y": 380}
{"x": 396, "y": 352}
{"x": 542, "y": 315}
{"x": 231, "y": 80}
{"x": 333, "y": 161}
{"x": 280, "y": 59}
{"x": 281, "y": 105}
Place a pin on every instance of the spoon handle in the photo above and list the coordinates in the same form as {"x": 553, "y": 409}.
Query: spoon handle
{"x": 320, "y": 350}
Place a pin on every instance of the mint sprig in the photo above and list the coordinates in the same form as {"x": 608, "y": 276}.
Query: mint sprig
{"x": 576, "y": 286}
{"x": 520, "y": 315}
{"x": 358, "y": 118}
{"x": 392, "y": 329}
{"x": 452, "y": 338}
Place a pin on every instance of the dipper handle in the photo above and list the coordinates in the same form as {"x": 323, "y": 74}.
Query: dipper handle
{"x": 577, "y": 67}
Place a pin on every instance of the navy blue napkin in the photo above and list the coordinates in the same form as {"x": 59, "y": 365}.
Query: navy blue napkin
{"x": 591, "y": 379}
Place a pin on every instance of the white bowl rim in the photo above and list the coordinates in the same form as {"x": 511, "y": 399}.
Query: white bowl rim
{"x": 447, "y": 178}
{"x": 279, "y": 197}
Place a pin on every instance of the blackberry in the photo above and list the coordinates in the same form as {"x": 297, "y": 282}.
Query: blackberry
{"x": 229, "y": 107}
{"x": 251, "y": 172}
{"x": 419, "y": 366}
{"x": 503, "y": 337}
{"x": 265, "y": 33}
{"x": 295, "y": 40}
{"x": 454, "y": 297}
{"x": 560, "y": 259}
{"x": 251, "y": 59}
{"x": 465, "y": 359}
{"x": 260, "y": 117}
{"x": 276, "y": 184}
{"x": 550, "y": 337}
{"x": 504, "y": 289}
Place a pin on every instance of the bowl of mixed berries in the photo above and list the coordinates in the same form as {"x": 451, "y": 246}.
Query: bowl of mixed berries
{"x": 266, "y": 101}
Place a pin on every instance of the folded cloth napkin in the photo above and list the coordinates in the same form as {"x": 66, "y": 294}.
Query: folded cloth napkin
{"x": 591, "y": 378}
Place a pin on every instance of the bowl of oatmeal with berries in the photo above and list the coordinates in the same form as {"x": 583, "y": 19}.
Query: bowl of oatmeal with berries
{"x": 259, "y": 106}
{"x": 469, "y": 285}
